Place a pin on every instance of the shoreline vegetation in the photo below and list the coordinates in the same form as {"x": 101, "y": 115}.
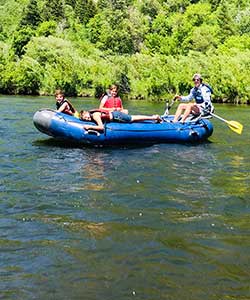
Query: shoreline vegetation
{"x": 139, "y": 97}
{"x": 150, "y": 48}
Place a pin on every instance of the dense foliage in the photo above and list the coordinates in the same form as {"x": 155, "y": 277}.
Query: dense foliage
{"x": 151, "y": 47}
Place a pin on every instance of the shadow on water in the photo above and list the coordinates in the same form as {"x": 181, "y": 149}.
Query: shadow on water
{"x": 53, "y": 142}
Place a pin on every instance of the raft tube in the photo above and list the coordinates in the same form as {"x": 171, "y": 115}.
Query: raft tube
{"x": 69, "y": 128}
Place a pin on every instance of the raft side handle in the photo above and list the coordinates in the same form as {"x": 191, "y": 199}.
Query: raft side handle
{"x": 92, "y": 132}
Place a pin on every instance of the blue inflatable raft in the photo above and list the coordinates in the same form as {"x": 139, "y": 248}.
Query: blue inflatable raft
{"x": 69, "y": 128}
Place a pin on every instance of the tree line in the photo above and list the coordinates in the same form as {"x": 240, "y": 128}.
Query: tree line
{"x": 150, "y": 48}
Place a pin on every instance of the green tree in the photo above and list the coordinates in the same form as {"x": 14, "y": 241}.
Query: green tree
{"x": 114, "y": 32}
{"x": 103, "y": 4}
{"x": 22, "y": 77}
{"x": 176, "y": 5}
{"x": 85, "y": 10}
{"x": 120, "y": 4}
{"x": 117, "y": 40}
{"x": 2, "y": 36}
{"x": 20, "y": 39}
{"x": 46, "y": 28}
{"x": 71, "y": 2}
{"x": 31, "y": 15}
{"x": 151, "y": 48}
{"x": 202, "y": 38}
{"x": 96, "y": 27}
{"x": 214, "y": 4}
{"x": 243, "y": 21}
{"x": 150, "y": 8}
{"x": 53, "y": 10}
{"x": 225, "y": 20}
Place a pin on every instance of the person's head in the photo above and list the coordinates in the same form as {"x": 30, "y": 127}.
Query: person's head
{"x": 197, "y": 79}
{"x": 113, "y": 90}
{"x": 59, "y": 95}
{"x": 84, "y": 115}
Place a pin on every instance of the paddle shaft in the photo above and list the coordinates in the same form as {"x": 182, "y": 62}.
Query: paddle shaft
{"x": 172, "y": 103}
{"x": 218, "y": 117}
{"x": 168, "y": 107}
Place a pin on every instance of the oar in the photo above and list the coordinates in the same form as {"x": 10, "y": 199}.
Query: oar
{"x": 168, "y": 106}
{"x": 233, "y": 125}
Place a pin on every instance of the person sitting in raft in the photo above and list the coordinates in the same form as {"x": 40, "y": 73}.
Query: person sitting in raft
{"x": 99, "y": 116}
{"x": 111, "y": 101}
{"x": 63, "y": 105}
{"x": 201, "y": 93}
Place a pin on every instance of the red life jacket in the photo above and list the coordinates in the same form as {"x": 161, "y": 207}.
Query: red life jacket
{"x": 113, "y": 102}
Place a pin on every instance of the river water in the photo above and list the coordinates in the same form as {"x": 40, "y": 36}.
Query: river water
{"x": 162, "y": 222}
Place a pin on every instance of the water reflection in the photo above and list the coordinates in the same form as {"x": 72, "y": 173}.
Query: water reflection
{"x": 93, "y": 171}
{"x": 162, "y": 222}
{"x": 236, "y": 180}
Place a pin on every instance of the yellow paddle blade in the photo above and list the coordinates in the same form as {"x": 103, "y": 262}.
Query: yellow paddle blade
{"x": 235, "y": 126}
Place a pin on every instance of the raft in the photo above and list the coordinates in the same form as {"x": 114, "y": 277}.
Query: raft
{"x": 70, "y": 129}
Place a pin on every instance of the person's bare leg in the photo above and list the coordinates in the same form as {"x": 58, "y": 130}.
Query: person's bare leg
{"x": 144, "y": 118}
{"x": 190, "y": 108}
{"x": 186, "y": 112}
{"x": 179, "y": 110}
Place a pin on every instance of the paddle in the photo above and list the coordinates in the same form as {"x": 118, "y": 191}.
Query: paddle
{"x": 233, "y": 125}
{"x": 168, "y": 107}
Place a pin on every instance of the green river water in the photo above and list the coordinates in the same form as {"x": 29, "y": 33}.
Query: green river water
{"x": 151, "y": 223}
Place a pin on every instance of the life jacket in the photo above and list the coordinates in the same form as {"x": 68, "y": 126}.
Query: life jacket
{"x": 209, "y": 87}
{"x": 107, "y": 93}
{"x": 105, "y": 115}
{"x": 197, "y": 94}
{"x": 113, "y": 102}
{"x": 69, "y": 111}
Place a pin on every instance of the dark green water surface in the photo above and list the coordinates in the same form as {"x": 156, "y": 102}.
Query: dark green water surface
{"x": 162, "y": 222}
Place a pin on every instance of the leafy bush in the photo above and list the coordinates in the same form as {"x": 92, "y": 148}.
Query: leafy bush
{"x": 150, "y": 48}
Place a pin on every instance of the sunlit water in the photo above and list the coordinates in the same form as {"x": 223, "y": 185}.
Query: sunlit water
{"x": 162, "y": 222}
